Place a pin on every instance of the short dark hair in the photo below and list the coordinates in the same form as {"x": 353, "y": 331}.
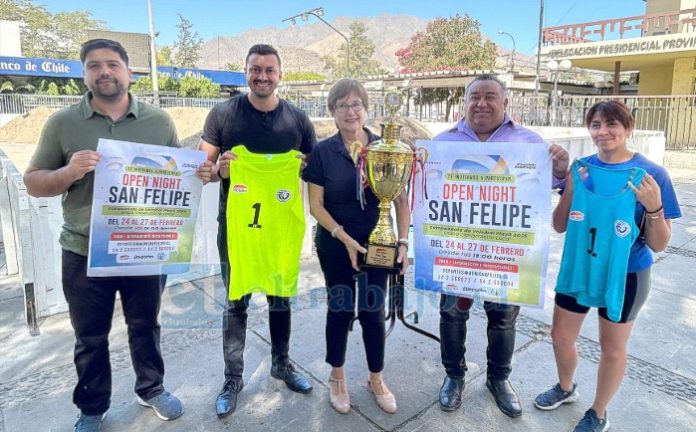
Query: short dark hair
{"x": 94, "y": 44}
{"x": 611, "y": 110}
{"x": 343, "y": 88}
{"x": 487, "y": 77}
{"x": 261, "y": 49}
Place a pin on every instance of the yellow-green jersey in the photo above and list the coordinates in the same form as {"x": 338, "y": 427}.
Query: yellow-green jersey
{"x": 265, "y": 223}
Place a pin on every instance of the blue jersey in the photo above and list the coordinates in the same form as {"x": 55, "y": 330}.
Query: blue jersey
{"x": 601, "y": 231}
{"x": 641, "y": 256}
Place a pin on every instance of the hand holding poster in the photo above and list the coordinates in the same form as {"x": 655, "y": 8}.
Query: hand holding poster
{"x": 144, "y": 209}
{"x": 483, "y": 230}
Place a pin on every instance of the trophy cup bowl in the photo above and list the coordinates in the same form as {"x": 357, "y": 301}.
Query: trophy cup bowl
{"x": 388, "y": 163}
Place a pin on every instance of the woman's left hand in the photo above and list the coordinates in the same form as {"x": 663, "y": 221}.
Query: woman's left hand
{"x": 402, "y": 258}
{"x": 559, "y": 160}
{"x": 648, "y": 193}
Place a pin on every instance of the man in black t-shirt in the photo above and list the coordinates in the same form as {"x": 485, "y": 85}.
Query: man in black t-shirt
{"x": 263, "y": 123}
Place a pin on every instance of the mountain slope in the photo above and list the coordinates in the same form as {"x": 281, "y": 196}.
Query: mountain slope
{"x": 302, "y": 46}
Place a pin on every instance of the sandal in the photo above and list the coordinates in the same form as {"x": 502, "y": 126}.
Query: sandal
{"x": 385, "y": 399}
{"x": 338, "y": 395}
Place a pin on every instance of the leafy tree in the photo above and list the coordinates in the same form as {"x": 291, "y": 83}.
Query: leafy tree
{"x": 49, "y": 35}
{"x": 164, "y": 56}
{"x": 188, "y": 45}
{"x": 10, "y": 86}
{"x": 235, "y": 66}
{"x": 198, "y": 87}
{"x": 361, "y": 50}
{"x": 51, "y": 87}
{"x": 72, "y": 88}
{"x": 187, "y": 86}
{"x": 6, "y": 86}
{"x": 165, "y": 83}
{"x": 454, "y": 43}
{"x": 303, "y": 76}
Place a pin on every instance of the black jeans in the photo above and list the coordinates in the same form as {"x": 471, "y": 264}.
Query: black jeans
{"x": 91, "y": 303}
{"x": 454, "y": 312}
{"x": 234, "y": 321}
{"x": 341, "y": 293}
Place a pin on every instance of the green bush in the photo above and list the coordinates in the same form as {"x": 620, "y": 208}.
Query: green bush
{"x": 164, "y": 83}
{"x": 186, "y": 87}
{"x": 198, "y": 87}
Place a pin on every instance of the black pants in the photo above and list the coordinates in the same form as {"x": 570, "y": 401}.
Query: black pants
{"x": 341, "y": 295}
{"x": 91, "y": 306}
{"x": 234, "y": 321}
{"x": 454, "y": 312}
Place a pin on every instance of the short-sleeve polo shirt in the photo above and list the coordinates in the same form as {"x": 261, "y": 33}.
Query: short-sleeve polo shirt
{"x": 79, "y": 127}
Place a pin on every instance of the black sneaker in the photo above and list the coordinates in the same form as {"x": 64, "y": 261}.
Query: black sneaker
{"x": 591, "y": 423}
{"x": 555, "y": 397}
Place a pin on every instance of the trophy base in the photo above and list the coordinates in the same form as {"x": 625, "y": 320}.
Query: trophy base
{"x": 380, "y": 256}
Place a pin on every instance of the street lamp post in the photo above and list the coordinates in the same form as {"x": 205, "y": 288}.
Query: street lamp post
{"x": 153, "y": 56}
{"x": 318, "y": 13}
{"x": 557, "y": 67}
{"x": 511, "y": 60}
{"x": 538, "y": 54}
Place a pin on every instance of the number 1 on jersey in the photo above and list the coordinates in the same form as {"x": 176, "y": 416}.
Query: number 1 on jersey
{"x": 257, "y": 211}
{"x": 593, "y": 233}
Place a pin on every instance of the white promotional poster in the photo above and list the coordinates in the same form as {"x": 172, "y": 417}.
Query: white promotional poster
{"x": 483, "y": 229}
{"x": 144, "y": 209}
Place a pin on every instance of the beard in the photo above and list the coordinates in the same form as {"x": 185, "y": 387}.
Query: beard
{"x": 108, "y": 90}
{"x": 264, "y": 92}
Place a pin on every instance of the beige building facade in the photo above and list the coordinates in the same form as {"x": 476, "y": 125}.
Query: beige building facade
{"x": 660, "y": 46}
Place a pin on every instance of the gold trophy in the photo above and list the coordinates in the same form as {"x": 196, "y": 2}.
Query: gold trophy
{"x": 388, "y": 166}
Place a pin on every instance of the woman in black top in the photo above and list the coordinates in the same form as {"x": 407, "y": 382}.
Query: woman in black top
{"x": 343, "y": 230}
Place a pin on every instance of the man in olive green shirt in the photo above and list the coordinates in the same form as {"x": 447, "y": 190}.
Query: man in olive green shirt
{"x": 64, "y": 163}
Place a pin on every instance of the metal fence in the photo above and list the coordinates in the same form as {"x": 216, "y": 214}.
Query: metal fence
{"x": 673, "y": 115}
{"x": 175, "y": 102}
{"x": 23, "y": 103}
{"x": 529, "y": 110}
{"x": 314, "y": 106}
{"x": 24, "y": 224}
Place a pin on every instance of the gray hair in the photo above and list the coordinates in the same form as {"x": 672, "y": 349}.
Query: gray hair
{"x": 487, "y": 77}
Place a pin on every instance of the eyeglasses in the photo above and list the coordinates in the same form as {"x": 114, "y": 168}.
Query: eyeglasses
{"x": 343, "y": 108}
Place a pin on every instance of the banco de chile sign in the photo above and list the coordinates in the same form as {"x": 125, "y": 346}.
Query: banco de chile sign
{"x": 25, "y": 66}
{"x": 22, "y": 66}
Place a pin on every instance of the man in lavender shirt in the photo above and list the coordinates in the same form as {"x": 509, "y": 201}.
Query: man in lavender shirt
{"x": 486, "y": 120}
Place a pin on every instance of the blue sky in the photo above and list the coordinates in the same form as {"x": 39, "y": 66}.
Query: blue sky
{"x": 211, "y": 18}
